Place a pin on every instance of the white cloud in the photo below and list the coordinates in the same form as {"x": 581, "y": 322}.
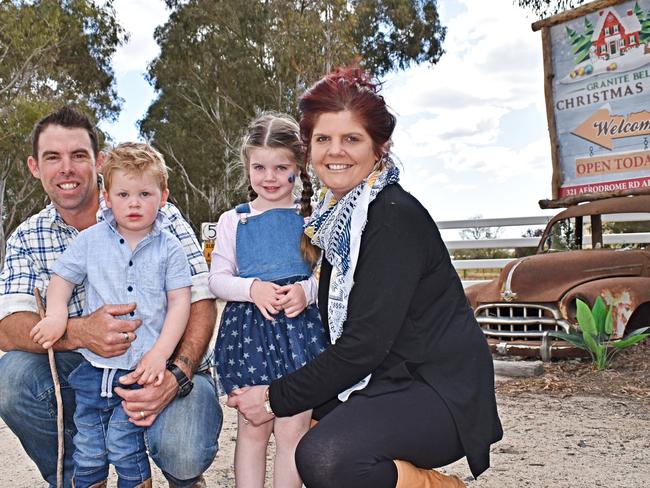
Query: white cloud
{"x": 461, "y": 156}
{"x": 459, "y": 188}
{"x": 139, "y": 18}
{"x": 492, "y": 58}
{"x": 426, "y": 176}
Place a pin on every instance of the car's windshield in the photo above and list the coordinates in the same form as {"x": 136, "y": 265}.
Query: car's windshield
{"x": 562, "y": 236}
{"x": 610, "y": 231}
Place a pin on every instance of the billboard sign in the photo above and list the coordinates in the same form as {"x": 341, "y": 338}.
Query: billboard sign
{"x": 597, "y": 68}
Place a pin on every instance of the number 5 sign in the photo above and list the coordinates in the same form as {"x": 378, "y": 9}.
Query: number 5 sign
{"x": 208, "y": 231}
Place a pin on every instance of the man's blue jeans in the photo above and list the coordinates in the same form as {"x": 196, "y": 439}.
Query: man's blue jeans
{"x": 182, "y": 441}
{"x": 104, "y": 434}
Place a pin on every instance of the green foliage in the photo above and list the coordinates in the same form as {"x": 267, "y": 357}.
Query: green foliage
{"x": 595, "y": 331}
{"x": 51, "y": 53}
{"x": 626, "y": 227}
{"x": 52, "y": 50}
{"x": 220, "y": 63}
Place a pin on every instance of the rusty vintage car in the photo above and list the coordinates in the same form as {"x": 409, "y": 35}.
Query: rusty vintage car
{"x": 599, "y": 248}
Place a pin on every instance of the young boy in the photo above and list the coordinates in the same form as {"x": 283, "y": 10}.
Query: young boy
{"x": 128, "y": 257}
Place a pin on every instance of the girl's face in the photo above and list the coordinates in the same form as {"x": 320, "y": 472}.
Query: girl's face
{"x": 273, "y": 173}
{"x": 341, "y": 151}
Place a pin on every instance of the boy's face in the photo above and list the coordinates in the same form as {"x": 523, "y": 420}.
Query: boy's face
{"x": 135, "y": 200}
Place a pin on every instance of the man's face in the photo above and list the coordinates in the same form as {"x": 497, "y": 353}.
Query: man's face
{"x": 66, "y": 166}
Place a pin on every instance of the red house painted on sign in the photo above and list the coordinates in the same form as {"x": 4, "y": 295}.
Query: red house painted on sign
{"x": 614, "y": 34}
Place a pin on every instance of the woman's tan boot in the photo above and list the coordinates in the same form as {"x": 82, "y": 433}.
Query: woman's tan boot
{"x": 410, "y": 476}
{"x": 145, "y": 484}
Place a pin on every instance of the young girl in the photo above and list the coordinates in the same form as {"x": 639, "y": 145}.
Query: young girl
{"x": 262, "y": 265}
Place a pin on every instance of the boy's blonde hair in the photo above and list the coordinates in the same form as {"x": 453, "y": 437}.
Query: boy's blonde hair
{"x": 135, "y": 158}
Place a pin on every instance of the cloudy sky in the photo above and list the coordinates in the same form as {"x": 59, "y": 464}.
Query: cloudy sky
{"x": 471, "y": 132}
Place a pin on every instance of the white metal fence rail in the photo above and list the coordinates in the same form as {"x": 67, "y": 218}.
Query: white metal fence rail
{"x": 519, "y": 242}
{"x": 208, "y": 231}
{"x": 509, "y": 243}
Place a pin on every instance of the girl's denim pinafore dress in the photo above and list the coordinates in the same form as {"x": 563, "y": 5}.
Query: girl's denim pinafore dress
{"x": 250, "y": 349}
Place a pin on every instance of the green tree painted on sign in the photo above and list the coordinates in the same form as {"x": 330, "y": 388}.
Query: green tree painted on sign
{"x": 572, "y": 35}
{"x": 644, "y": 20}
{"x": 581, "y": 43}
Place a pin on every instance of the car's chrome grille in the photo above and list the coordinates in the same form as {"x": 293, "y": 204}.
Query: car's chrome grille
{"x": 519, "y": 321}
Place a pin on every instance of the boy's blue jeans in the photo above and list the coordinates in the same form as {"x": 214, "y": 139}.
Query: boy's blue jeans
{"x": 104, "y": 434}
{"x": 182, "y": 441}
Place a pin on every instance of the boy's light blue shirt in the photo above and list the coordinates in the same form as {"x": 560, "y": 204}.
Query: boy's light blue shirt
{"x": 101, "y": 259}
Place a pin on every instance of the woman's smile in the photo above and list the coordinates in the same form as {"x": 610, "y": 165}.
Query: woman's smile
{"x": 341, "y": 151}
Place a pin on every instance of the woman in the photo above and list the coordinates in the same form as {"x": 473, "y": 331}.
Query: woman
{"x": 408, "y": 381}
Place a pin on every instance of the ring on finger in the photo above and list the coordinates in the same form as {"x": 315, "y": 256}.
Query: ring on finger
{"x": 246, "y": 421}
{"x": 126, "y": 336}
{"x": 142, "y": 415}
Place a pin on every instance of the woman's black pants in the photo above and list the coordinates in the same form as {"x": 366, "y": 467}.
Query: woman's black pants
{"x": 355, "y": 444}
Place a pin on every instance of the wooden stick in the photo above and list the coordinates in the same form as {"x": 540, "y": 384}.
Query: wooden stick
{"x": 550, "y": 111}
{"x": 59, "y": 399}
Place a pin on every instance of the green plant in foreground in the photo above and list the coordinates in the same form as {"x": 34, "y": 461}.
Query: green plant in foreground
{"x": 595, "y": 331}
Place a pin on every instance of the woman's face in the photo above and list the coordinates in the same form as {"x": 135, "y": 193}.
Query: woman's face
{"x": 341, "y": 151}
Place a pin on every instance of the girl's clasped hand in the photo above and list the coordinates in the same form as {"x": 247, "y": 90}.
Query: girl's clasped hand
{"x": 292, "y": 299}
{"x": 271, "y": 298}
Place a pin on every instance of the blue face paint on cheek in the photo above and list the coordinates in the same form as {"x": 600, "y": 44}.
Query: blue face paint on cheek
{"x": 292, "y": 178}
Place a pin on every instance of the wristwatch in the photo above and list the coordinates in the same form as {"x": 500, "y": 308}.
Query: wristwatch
{"x": 185, "y": 385}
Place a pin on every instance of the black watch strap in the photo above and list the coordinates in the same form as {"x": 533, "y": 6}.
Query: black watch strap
{"x": 185, "y": 385}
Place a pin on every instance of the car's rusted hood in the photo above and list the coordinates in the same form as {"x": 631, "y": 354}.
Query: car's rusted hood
{"x": 547, "y": 277}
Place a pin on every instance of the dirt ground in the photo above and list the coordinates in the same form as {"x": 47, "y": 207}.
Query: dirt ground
{"x": 571, "y": 427}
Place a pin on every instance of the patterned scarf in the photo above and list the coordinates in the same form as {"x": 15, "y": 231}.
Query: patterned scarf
{"x": 336, "y": 227}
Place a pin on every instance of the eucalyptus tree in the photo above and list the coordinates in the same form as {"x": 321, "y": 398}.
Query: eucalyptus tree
{"x": 51, "y": 53}
{"x": 222, "y": 61}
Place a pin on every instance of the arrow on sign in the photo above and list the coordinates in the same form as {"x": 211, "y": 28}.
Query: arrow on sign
{"x": 601, "y": 127}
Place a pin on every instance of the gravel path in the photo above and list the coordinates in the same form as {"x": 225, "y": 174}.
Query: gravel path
{"x": 550, "y": 441}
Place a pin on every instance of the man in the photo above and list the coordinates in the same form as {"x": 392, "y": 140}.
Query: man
{"x": 182, "y": 423}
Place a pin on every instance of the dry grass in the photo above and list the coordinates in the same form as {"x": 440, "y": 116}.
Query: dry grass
{"x": 628, "y": 377}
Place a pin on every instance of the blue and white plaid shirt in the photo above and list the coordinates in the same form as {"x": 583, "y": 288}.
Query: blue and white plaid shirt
{"x": 36, "y": 244}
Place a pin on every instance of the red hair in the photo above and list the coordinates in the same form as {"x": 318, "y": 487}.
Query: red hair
{"x": 347, "y": 89}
